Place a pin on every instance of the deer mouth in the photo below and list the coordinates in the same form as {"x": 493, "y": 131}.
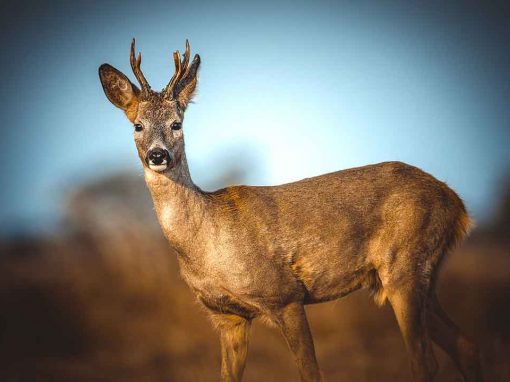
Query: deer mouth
{"x": 158, "y": 167}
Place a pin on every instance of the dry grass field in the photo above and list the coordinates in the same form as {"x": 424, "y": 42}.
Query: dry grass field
{"x": 103, "y": 301}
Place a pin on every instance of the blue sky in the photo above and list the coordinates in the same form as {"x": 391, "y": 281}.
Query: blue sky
{"x": 287, "y": 90}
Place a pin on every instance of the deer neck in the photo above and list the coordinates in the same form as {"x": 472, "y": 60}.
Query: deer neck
{"x": 179, "y": 205}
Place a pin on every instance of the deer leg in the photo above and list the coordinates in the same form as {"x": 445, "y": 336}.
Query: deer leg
{"x": 409, "y": 306}
{"x": 234, "y": 332}
{"x": 294, "y": 326}
{"x": 448, "y": 336}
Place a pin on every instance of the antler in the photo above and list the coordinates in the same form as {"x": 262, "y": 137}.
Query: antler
{"x": 135, "y": 65}
{"x": 181, "y": 70}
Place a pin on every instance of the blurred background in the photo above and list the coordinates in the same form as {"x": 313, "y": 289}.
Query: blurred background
{"x": 89, "y": 290}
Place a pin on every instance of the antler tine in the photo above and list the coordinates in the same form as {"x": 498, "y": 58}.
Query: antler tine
{"x": 178, "y": 67}
{"x": 185, "y": 59}
{"x": 135, "y": 65}
{"x": 177, "y": 75}
{"x": 181, "y": 68}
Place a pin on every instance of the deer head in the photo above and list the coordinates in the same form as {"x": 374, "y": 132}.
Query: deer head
{"x": 157, "y": 116}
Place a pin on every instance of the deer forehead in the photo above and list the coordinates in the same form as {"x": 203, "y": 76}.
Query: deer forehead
{"x": 159, "y": 111}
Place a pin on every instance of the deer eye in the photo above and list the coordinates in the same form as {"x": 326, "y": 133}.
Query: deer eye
{"x": 176, "y": 126}
{"x": 138, "y": 127}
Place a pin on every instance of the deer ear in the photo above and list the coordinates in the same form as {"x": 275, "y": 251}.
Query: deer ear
{"x": 185, "y": 89}
{"x": 119, "y": 90}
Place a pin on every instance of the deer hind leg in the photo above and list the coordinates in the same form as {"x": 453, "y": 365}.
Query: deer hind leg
{"x": 448, "y": 336}
{"x": 234, "y": 333}
{"x": 294, "y": 326}
{"x": 409, "y": 305}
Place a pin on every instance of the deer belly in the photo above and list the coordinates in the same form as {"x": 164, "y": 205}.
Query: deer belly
{"x": 328, "y": 280}
{"x": 247, "y": 292}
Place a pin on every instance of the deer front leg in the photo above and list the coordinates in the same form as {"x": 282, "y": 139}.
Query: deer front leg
{"x": 294, "y": 326}
{"x": 234, "y": 332}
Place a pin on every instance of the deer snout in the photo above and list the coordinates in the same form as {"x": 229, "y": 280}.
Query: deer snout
{"x": 158, "y": 159}
{"x": 157, "y": 156}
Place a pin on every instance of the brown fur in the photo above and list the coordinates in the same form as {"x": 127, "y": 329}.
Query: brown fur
{"x": 265, "y": 252}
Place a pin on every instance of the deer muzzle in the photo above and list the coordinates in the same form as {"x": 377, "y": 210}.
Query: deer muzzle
{"x": 158, "y": 159}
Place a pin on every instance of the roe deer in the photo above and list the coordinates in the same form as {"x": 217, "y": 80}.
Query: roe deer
{"x": 250, "y": 251}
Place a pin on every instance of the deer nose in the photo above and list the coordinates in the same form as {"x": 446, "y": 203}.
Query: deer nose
{"x": 158, "y": 156}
